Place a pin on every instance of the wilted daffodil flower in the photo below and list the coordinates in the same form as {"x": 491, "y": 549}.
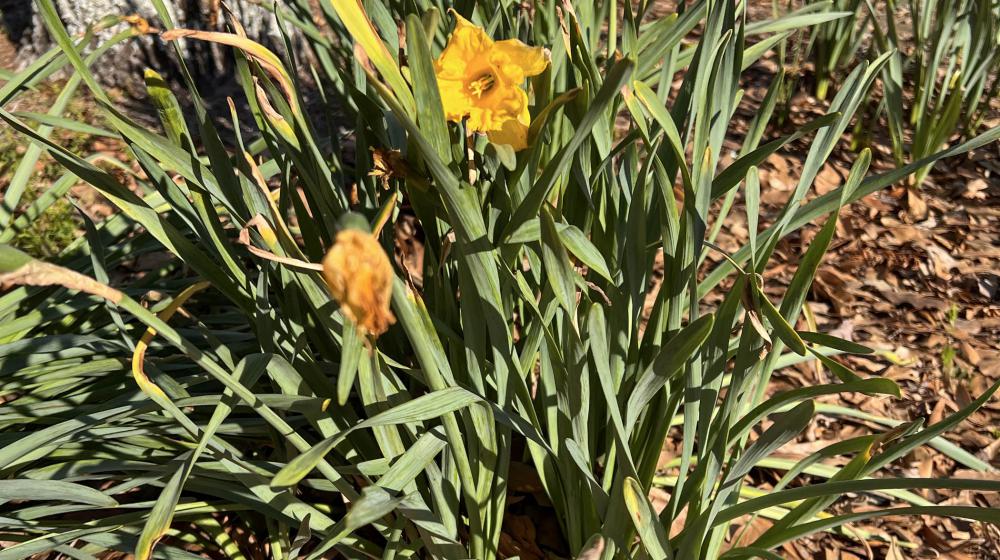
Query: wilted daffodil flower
{"x": 481, "y": 79}
{"x": 359, "y": 275}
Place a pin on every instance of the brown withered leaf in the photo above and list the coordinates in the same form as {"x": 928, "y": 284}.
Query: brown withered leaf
{"x": 916, "y": 207}
{"x": 39, "y": 273}
{"x": 975, "y": 189}
{"x": 915, "y": 300}
{"x": 518, "y": 538}
{"x": 524, "y": 479}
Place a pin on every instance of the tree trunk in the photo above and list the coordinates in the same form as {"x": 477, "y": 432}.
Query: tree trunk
{"x": 123, "y": 65}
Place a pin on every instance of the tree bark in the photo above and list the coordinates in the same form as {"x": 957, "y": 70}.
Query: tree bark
{"x": 123, "y": 66}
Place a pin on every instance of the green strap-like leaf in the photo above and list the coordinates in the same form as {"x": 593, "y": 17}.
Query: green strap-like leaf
{"x": 560, "y": 163}
{"x": 651, "y": 532}
{"x": 983, "y": 514}
{"x": 430, "y": 111}
{"x": 875, "y": 385}
{"x": 558, "y": 268}
{"x": 784, "y": 428}
{"x": 830, "y": 341}
{"x": 426, "y": 407}
{"x": 675, "y": 353}
{"x": 37, "y": 490}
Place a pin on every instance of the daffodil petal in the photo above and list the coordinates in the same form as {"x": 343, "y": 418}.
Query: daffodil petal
{"x": 504, "y": 103}
{"x": 516, "y": 61}
{"x": 468, "y": 48}
{"x": 513, "y": 132}
{"x": 461, "y": 21}
{"x": 455, "y": 99}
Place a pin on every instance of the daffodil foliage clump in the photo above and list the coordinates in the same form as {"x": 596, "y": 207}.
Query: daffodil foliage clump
{"x": 249, "y": 360}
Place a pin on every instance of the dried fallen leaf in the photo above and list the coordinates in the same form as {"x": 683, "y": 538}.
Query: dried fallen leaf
{"x": 915, "y": 205}
{"x": 975, "y": 189}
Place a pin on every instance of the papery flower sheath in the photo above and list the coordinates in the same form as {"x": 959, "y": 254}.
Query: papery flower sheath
{"x": 359, "y": 275}
{"x": 480, "y": 80}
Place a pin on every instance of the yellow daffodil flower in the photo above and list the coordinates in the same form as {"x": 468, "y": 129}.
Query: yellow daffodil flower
{"x": 480, "y": 79}
{"x": 359, "y": 275}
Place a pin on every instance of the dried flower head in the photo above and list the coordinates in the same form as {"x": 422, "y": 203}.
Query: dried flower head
{"x": 359, "y": 275}
{"x": 387, "y": 165}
